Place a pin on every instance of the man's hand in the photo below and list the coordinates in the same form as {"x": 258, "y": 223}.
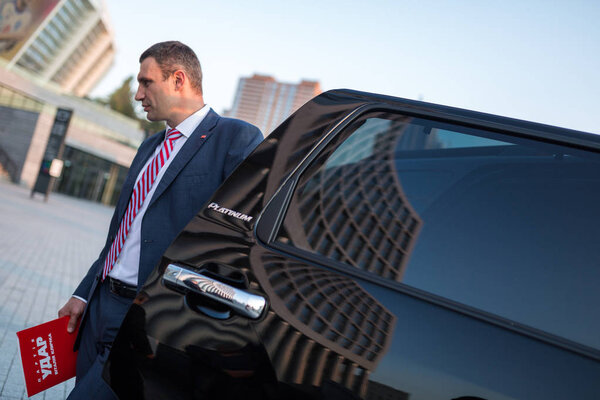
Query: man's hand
{"x": 74, "y": 308}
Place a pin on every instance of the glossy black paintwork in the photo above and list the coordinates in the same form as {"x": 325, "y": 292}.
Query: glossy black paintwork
{"x": 169, "y": 348}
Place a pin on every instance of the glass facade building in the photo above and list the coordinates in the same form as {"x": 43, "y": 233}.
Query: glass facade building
{"x": 56, "y": 51}
{"x": 99, "y": 145}
{"x": 72, "y": 47}
{"x": 90, "y": 177}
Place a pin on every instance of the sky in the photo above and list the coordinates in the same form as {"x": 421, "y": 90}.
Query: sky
{"x": 526, "y": 59}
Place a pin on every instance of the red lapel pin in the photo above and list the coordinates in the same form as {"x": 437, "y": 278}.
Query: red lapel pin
{"x": 202, "y": 137}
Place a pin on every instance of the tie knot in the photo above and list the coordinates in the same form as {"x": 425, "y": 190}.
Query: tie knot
{"x": 173, "y": 134}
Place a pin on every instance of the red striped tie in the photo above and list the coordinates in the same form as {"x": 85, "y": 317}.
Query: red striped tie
{"x": 140, "y": 191}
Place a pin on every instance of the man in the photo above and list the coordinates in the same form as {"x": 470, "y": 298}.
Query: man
{"x": 172, "y": 175}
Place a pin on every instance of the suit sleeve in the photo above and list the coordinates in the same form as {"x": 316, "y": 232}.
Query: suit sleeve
{"x": 244, "y": 142}
{"x": 85, "y": 285}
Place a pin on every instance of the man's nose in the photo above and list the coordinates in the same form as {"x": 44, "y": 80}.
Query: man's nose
{"x": 138, "y": 95}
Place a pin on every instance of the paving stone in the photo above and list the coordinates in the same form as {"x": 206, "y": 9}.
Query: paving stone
{"x": 15, "y": 391}
{"x": 45, "y": 249}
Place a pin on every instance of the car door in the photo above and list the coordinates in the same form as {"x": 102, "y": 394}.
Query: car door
{"x": 375, "y": 247}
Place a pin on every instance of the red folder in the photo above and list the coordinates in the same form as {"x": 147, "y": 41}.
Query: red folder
{"x": 47, "y": 355}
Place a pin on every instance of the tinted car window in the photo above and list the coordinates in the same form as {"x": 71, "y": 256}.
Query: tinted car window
{"x": 503, "y": 224}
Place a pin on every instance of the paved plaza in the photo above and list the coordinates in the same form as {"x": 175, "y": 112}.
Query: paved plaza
{"x": 45, "y": 249}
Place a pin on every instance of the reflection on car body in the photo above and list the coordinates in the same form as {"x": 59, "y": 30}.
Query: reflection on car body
{"x": 400, "y": 249}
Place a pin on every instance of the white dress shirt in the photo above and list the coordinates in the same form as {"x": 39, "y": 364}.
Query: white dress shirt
{"x": 127, "y": 265}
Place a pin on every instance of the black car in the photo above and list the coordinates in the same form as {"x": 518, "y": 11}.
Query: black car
{"x": 381, "y": 248}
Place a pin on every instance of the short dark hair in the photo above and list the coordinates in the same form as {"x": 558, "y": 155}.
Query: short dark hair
{"x": 173, "y": 55}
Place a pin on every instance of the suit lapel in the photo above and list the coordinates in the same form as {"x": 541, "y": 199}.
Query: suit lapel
{"x": 189, "y": 149}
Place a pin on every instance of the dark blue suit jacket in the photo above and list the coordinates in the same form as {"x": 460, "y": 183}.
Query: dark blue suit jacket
{"x": 208, "y": 156}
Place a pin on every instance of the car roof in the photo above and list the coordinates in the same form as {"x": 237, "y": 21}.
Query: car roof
{"x": 467, "y": 117}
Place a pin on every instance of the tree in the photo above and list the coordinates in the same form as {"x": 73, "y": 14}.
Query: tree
{"x": 122, "y": 100}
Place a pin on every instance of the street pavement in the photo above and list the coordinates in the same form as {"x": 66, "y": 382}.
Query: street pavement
{"x": 45, "y": 249}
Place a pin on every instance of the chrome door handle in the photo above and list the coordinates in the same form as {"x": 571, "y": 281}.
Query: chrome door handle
{"x": 247, "y": 304}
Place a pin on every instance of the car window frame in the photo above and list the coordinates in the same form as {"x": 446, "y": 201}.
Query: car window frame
{"x": 271, "y": 218}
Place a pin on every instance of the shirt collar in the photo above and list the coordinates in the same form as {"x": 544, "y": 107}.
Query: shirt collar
{"x": 189, "y": 125}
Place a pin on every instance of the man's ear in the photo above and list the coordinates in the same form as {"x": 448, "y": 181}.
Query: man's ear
{"x": 179, "y": 79}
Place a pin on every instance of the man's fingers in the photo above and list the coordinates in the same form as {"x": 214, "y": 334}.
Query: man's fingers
{"x": 72, "y": 323}
{"x": 74, "y": 309}
{"x": 64, "y": 311}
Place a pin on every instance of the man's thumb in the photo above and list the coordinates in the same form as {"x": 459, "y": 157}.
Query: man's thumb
{"x": 72, "y": 324}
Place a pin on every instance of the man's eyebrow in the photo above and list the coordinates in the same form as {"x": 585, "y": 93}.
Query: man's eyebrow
{"x": 142, "y": 79}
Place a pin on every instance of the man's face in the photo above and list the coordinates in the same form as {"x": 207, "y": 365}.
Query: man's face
{"x": 154, "y": 92}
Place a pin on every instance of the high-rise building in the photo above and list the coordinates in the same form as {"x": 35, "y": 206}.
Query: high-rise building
{"x": 264, "y": 102}
{"x": 68, "y": 43}
{"x": 52, "y": 53}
